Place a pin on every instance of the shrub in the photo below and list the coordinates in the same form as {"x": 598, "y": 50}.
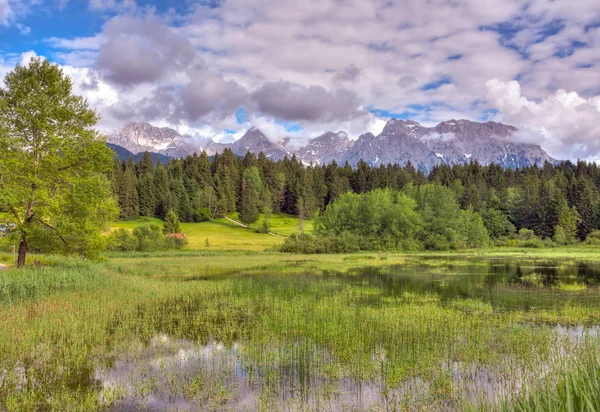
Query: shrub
{"x": 527, "y": 238}
{"x": 593, "y": 238}
{"x": 202, "y": 215}
{"x": 175, "y": 242}
{"x": 122, "y": 240}
{"x": 149, "y": 237}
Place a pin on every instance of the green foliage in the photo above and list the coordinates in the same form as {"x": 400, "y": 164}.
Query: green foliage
{"x": 122, "y": 240}
{"x": 527, "y": 238}
{"x": 53, "y": 163}
{"x": 497, "y": 224}
{"x": 593, "y": 238}
{"x": 171, "y": 223}
{"x": 473, "y": 230}
{"x": 202, "y": 214}
{"x": 149, "y": 237}
{"x": 382, "y": 218}
{"x": 251, "y": 187}
{"x": 175, "y": 242}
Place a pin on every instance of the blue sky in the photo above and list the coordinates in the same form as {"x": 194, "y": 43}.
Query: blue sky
{"x": 214, "y": 68}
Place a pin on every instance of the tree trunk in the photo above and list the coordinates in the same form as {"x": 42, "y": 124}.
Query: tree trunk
{"x": 22, "y": 252}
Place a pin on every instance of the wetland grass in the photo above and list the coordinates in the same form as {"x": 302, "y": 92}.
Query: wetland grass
{"x": 229, "y": 331}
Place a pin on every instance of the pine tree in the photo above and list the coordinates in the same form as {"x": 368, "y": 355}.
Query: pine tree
{"x": 146, "y": 165}
{"x": 249, "y": 206}
{"x": 147, "y": 195}
{"x": 128, "y": 196}
{"x": 584, "y": 203}
{"x": 251, "y": 187}
{"x": 171, "y": 223}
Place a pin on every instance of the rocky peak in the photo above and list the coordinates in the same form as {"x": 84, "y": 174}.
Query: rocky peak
{"x": 255, "y": 141}
{"x": 139, "y": 137}
{"x": 325, "y": 148}
{"x": 475, "y": 129}
{"x": 398, "y": 127}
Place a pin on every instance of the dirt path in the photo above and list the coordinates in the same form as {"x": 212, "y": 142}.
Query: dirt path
{"x": 243, "y": 225}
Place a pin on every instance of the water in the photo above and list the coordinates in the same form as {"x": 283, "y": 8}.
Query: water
{"x": 298, "y": 366}
{"x": 506, "y": 284}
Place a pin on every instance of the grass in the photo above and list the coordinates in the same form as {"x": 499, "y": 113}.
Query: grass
{"x": 309, "y": 331}
{"x": 225, "y": 235}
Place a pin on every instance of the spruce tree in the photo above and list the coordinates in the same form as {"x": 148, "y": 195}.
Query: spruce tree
{"x": 171, "y": 223}
{"x": 128, "y": 196}
{"x": 249, "y": 212}
{"x": 251, "y": 188}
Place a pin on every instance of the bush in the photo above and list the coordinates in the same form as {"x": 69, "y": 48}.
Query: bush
{"x": 202, "y": 215}
{"x": 121, "y": 240}
{"x": 527, "y": 238}
{"x": 593, "y": 238}
{"x": 173, "y": 242}
{"x": 149, "y": 237}
{"x": 301, "y": 243}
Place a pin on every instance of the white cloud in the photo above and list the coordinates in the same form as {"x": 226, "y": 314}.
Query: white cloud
{"x": 566, "y": 124}
{"x": 194, "y": 69}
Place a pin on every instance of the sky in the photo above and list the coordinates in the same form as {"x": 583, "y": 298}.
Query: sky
{"x": 214, "y": 68}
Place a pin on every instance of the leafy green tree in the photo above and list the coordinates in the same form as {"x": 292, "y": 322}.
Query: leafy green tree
{"x": 473, "y": 230}
{"x": 382, "y": 218}
{"x": 53, "y": 164}
{"x": 266, "y": 208}
{"x": 171, "y": 223}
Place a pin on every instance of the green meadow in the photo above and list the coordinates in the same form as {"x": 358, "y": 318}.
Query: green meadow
{"x": 222, "y": 234}
{"x": 236, "y": 326}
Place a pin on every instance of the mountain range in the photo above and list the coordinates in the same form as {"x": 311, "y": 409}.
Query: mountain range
{"x": 451, "y": 142}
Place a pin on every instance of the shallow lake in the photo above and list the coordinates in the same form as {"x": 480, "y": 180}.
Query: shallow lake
{"x": 433, "y": 333}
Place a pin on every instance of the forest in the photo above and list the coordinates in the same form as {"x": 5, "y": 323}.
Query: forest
{"x": 387, "y": 207}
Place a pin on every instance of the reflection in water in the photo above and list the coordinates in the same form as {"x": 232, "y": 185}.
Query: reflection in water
{"x": 506, "y": 284}
{"x": 175, "y": 374}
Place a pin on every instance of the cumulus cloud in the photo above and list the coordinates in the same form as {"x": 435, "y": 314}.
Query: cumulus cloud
{"x": 407, "y": 81}
{"x": 350, "y": 73}
{"x": 107, "y": 5}
{"x": 566, "y": 124}
{"x": 5, "y": 12}
{"x": 142, "y": 49}
{"x": 293, "y": 102}
{"x": 317, "y": 64}
{"x": 208, "y": 93}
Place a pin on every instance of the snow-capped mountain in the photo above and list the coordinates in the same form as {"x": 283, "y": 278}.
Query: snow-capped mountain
{"x": 255, "y": 141}
{"x": 451, "y": 142}
{"x": 326, "y": 148}
{"x": 141, "y": 137}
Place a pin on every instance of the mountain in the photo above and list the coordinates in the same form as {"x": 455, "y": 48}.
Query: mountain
{"x": 124, "y": 154}
{"x": 399, "y": 142}
{"x": 451, "y": 142}
{"x": 326, "y": 148}
{"x": 141, "y": 137}
{"x": 255, "y": 141}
